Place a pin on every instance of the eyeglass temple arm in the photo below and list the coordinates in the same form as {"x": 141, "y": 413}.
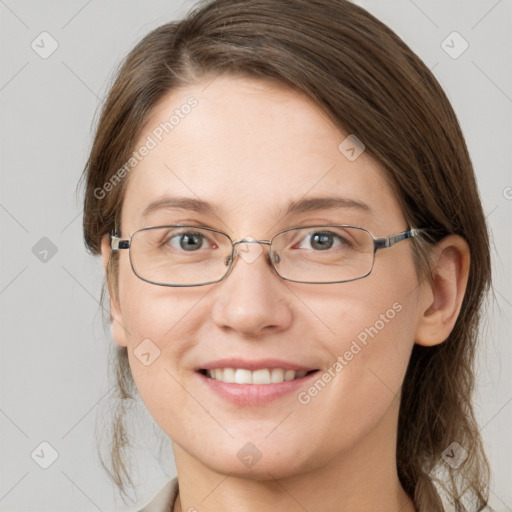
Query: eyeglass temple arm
{"x": 383, "y": 243}
{"x": 117, "y": 243}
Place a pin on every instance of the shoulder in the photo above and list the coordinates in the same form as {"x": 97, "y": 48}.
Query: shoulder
{"x": 164, "y": 499}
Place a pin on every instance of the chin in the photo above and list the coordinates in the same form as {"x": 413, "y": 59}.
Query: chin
{"x": 261, "y": 471}
{"x": 257, "y": 462}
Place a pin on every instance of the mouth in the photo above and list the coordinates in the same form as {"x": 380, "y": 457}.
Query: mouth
{"x": 251, "y": 382}
{"x": 262, "y": 376}
{"x": 246, "y": 383}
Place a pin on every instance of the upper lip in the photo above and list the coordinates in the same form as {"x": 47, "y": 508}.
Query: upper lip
{"x": 252, "y": 365}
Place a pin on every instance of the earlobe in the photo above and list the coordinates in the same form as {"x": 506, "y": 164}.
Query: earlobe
{"x": 116, "y": 317}
{"x": 443, "y": 292}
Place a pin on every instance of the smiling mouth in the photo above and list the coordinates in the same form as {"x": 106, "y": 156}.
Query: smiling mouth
{"x": 261, "y": 376}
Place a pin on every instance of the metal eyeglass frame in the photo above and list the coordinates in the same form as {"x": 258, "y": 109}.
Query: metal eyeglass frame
{"x": 117, "y": 243}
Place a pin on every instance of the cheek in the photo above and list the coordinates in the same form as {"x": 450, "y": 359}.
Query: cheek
{"x": 361, "y": 388}
{"x": 369, "y": 338}
{"x": 154, "y": 360}
{"x": 153, "y": 315}
{"x": 150, "y": 311}
{"x": 377, "y": 358}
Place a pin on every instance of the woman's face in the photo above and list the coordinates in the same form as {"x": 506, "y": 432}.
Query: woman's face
{"x": 249, "y": 148}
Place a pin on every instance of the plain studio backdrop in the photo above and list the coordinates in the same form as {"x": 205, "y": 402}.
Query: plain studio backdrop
{"x": 53, "y": 345}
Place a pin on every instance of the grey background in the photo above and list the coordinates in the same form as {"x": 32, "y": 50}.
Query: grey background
{"x": 54, "y": 349}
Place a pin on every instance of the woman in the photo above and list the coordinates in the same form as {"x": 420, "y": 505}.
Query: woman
{"x": 296, "y": 256}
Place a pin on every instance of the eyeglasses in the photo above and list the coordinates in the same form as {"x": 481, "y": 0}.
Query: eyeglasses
{"x": 187, "y": 255}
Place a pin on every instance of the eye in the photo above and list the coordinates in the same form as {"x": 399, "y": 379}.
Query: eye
{"x": 188, "y": 241}
{"x": 323, "y": 240}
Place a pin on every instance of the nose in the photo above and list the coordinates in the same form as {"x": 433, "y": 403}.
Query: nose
{"x": 252, "y": 299}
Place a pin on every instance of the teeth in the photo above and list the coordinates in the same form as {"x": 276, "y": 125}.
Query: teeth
{"x": 289, "y": 375}
{"x": 263, "y": 376}
{"x": 228, "y": 375}
{"x": 277, "y": 375}
{"x": 241, "y": 376}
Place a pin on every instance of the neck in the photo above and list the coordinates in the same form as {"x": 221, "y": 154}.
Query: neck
{"x": 360, "y": 479}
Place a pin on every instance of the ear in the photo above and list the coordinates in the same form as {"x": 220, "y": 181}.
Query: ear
{"x": 443, "y": 292}
{"x": 116, "y": 318}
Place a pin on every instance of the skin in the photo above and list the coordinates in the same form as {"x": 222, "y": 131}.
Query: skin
{"x": 251, "y": 147}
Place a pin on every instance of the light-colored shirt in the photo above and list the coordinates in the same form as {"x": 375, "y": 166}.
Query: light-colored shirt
{"x": 165, "y": 498}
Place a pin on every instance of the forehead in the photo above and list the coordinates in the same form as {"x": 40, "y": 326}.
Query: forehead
{"x": 250, "y": 147}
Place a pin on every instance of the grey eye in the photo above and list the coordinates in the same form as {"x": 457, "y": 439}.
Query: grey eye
{"x": 189, "y": 241}
{"x": 322, "y": 241}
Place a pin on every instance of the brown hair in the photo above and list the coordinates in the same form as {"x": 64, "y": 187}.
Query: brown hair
{"x": 365, "y": 78}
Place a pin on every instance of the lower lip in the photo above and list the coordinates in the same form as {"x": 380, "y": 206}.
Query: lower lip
{"x": 254, "y": 394}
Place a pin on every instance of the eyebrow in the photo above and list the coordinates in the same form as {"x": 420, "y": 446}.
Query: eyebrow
{"x": 312, "y": 204}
